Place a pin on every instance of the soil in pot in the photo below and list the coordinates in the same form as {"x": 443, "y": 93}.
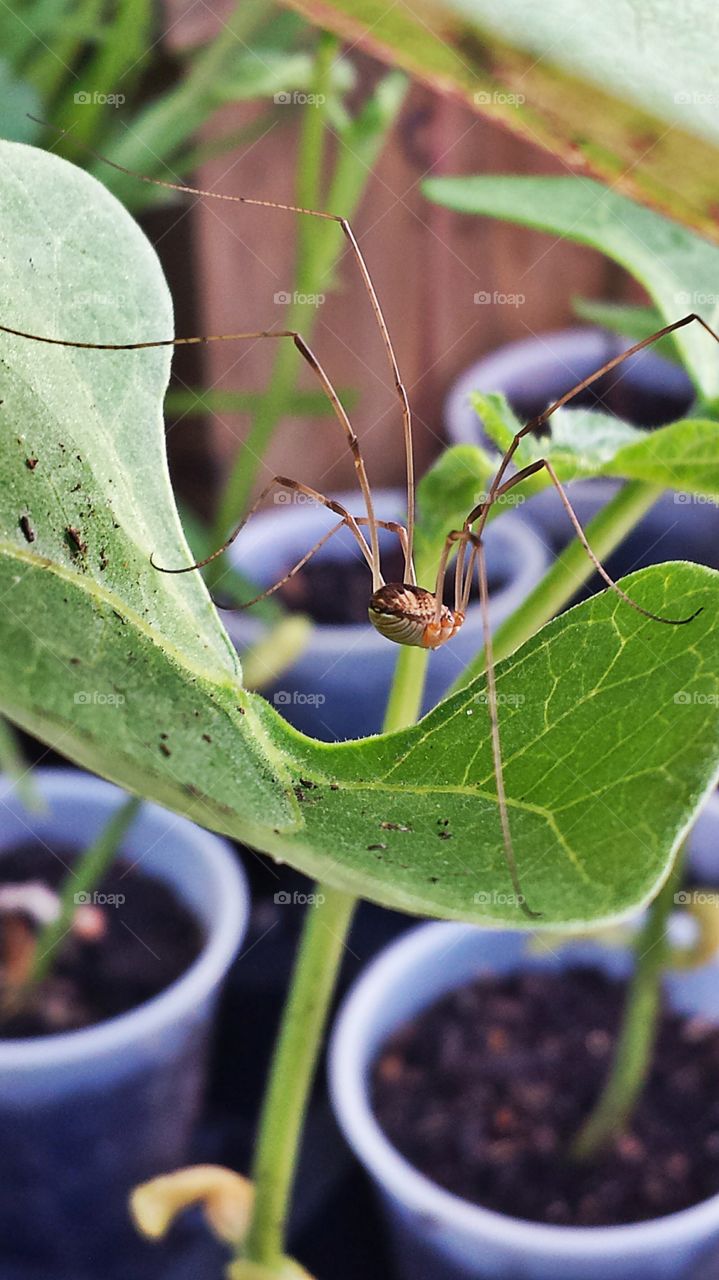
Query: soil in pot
{"x": 483, "y": 1091}
{"x": 337, "y": 592}
{"x": 131, "y": 942}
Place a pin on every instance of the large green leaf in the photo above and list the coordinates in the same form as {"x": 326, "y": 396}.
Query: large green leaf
{"x": 585, "y": 442}
{"x": 626, "y": 96}
{"x": 678, "y": 269}
{"x": 130, "y": 673}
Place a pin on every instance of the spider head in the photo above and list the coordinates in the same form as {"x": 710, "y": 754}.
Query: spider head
{"x": 407, "y": 615}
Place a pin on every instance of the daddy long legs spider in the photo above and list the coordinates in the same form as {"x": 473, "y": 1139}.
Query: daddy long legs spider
{"x": 406, "y": 613}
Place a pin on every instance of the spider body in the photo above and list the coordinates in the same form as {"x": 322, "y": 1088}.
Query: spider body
{"x": 407, "y": 614}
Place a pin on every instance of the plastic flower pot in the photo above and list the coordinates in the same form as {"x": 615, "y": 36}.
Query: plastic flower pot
{"x": 86, "y": 1115}
{"x": 438, "y": 1236}
{"x": 648, "y": 391}
{"x": 339, "y": 686}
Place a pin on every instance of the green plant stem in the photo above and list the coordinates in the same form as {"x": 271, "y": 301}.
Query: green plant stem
{"x": 235, "y": 498}
{"x": 80, "y": 882}
{"x": 638, "y": 1030}
{"x": 292, "y": 1071}
{"x": 303, "y": 1024}
{"x": 14, "y": 764}
{"x": 570, "y": 571}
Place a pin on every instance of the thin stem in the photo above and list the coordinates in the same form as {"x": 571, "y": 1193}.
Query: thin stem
{"x": 292, "y": 1071}
{"x": 79, "y": 884}
{"x": 638, "y": 1031}
{"x": 235, "y": 497}
{"x": 569, "y": 571}
{"x": 405, "y": 699}
{"x": 14, "y": 764}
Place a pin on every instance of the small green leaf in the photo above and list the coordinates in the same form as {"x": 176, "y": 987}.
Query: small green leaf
{"x": 673, "y": 264}
{"x": 584, "y": 442}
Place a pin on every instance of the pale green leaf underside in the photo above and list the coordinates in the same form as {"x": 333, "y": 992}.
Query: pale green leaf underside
{"x": 585, "y": 442}
{"x": 130, "y": 673}
{"x": 678, "y": 269}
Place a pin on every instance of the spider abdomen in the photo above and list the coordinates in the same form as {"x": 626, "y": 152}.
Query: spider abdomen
{"x": 407, "y": 615}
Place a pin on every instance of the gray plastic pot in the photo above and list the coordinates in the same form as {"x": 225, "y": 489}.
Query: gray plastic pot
{"x": 338, "y": 688}
{"x": 86, "y": 1115}
{"x": 438, "y": 1236}
{"x": 535, "y": 371}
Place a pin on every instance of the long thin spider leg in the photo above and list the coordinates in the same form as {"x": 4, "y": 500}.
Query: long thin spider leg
{"x": 366, "y": 278}
{"x": 672, "y": 622}
{"x": 463, "y": 578}
{"x": 494, "y": 732}
{"x": 534, "y": 424}
{"x": 391, "y": 525}
{"x": 530, "y": 470}
{"x": 307, "y": 354}
{"x": 295, "y": 486}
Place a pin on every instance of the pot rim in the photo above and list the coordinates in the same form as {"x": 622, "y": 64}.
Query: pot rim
{"x": 348, "y": 1061}
{"x": 224, "y": 931}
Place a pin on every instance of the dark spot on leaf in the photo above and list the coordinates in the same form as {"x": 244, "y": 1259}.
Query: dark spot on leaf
{"x": 241, "y": 710}
{"x": 334, "y": 786}
{"x": 394, "y": 826}
{"x": 371, "y": 847}
{"x": 27, "y": 529}
{"x": 75, "y": 662}
{"x": 103, "y": 559}
{"x": 206, "y": 737}
{"x": 165, "y": 749}
{"x": 75, "y": 540}
{"x": 30, "y": 463}
{"x": 308, "y": 784}
{"x": 445, "y": 835}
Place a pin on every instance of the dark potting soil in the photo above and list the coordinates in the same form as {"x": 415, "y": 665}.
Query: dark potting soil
{"x": 337, "y": 592}
{"x": 484, "y": 1091}
{"x": 148, "y": 939}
